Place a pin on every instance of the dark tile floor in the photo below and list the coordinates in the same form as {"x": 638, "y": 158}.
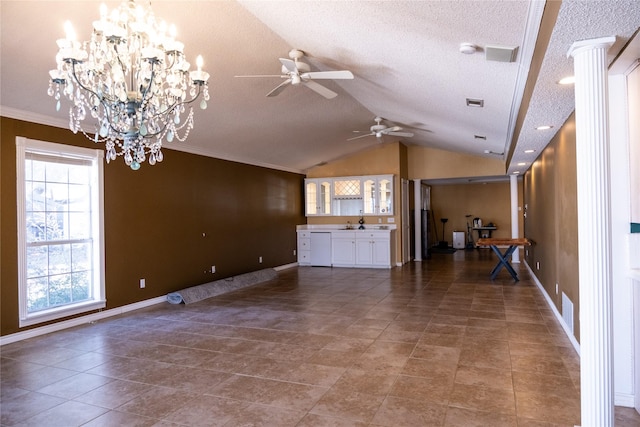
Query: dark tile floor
{"x": 429, "y": 344}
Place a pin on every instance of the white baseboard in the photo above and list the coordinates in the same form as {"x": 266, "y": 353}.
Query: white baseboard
{"x": 285, "y": 266}
{"x": 76, "y": 321}
{"x": 565, "y": 328}
{"x": 624, "y": 399}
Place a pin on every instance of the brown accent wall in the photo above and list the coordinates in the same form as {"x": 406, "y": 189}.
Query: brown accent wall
{"x": 490, "y": 201}
{"x": 166, "y": 223}
{"x": 552, "y": 219}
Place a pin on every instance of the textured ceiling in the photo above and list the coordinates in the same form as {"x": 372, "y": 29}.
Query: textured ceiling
{"x": 404, "y": 55}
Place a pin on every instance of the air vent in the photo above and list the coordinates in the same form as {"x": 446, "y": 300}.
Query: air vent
{"x": 501, "y": 53}
{"x": 482, "y": 137}
{"x": 567, "y": 311}
{"x": 475, "y": 102}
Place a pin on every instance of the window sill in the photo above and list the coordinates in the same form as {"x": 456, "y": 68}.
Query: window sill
{"x": 59, "y": 313}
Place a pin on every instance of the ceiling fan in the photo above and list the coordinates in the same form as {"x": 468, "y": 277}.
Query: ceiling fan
{"x": 297, "y": 73}
{"x": 379, "y": 130}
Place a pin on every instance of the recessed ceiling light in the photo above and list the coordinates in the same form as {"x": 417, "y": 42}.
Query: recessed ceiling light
{"x": 516, "y": 172}
{"x": 569, "y": 80}
{"x": 522, "y": 164}
{"x": 471, "y": 102}
{"x": 544, "y": 127}
{"x": 529, "y": 151}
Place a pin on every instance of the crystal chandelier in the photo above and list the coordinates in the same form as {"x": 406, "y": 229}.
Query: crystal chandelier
{"x": 132, "y": 78}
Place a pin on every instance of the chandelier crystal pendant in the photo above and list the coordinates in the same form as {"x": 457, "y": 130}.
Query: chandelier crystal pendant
{"x": 133, "y": 79}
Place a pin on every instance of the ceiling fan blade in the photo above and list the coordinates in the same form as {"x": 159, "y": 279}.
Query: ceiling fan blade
{"x": 264, "y": 75}
{"x": 327, "y": 93}
{"x": 392, "y": 129}
{"x": 360, "y": 136}
{"x": 321, "y": 75}
{"x": 279, "y": 88}
{"x": 289, "y": 65}
{"x": 404, "y": 134}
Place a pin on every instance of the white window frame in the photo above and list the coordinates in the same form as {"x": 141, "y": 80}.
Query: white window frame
{"x": 98, "y": 301}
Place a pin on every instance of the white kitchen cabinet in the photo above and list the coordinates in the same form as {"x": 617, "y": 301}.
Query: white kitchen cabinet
{"x": 343, "y": 248}
{"x": 373, "y": 248}
{"x": 378, "y": 194}
{"x": 369, "y": 248}
{"x": 318, "y": 196}
{"x": 349, "y": 196}
{"x": 304, "y": 248}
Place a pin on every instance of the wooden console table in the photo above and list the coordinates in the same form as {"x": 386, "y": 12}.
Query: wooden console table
{"x": 488, "y": 228}
{"x": 503, "y": 258}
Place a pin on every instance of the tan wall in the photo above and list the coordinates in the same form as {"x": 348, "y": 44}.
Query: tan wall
{"x": 155, "y": 218}
{"x": 431, "y": 163}
{"x": 552, "y": 219}
{"x": 490, "y": 201}
{"x": 388, "y": 158}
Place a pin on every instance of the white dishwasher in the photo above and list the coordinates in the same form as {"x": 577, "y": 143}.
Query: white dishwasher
{"x": 320, "y": 249}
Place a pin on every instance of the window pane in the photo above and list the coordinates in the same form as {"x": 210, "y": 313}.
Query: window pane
{"x": 37, "y": 294}
{"x": 59, "y": 259}
{"x": 59, "y": 289}
{"x": 37, "y": 196}
{"x": 55, "y": 226}
{"x": 80, "y": 286}
{"x": 37, "y": 261}
{"x": 37, "y": 170}
{"x": 36, "y": 226}
{"x": 57, "y": 172}
{"x": 79, "y": 225}
{"x": 81, "y": 256}
{"x": 57, "y": 196}
{"x": 79, "y": 198}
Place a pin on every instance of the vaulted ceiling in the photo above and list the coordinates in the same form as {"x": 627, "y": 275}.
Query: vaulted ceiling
{"x": 405, "y": 57}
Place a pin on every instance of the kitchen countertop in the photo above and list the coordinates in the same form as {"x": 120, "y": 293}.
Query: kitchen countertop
{"x": 343, "y": 227}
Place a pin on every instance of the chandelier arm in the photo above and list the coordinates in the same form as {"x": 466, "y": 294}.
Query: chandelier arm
{"x": 105, "y": 105}
{"x": 173, "y": 107}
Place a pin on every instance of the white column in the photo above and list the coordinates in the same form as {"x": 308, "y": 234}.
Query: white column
{"x": 594, "y": 230}
{"x": 417, "y": 215}
{"x": 515, "y": 223}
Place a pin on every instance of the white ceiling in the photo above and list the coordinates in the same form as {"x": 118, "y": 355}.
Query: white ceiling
{"x": 404, "y": 55}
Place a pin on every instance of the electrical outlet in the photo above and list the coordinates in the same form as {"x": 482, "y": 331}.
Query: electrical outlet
{"x": 294, "y": 252}
{"x": 260, "y": 260}
{"x": 142, "y": 283}
{"x": 556, "y": 289}
{"x": 537, "y": 265}
{"x": 391, "y": 219}
{"x": 379, "y": 220}
{"x": 213, "y": 269}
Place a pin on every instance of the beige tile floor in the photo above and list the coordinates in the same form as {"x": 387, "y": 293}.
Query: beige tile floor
{"x": 429, "y": 344}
